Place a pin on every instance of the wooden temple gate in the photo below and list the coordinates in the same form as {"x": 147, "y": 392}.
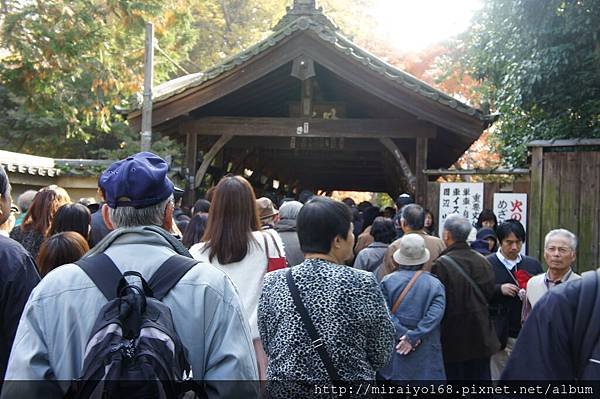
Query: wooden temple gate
{"x": 312, "y": 110}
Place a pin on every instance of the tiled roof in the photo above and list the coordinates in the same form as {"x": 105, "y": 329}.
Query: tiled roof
{"x": 28, "y": 164}
{"x": 328, "y": 33}
{"x": 43, "y": 166}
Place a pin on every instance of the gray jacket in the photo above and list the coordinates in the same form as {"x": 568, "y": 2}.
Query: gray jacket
{"x": 287, "y": 231}
{"x": 60, "y": 313}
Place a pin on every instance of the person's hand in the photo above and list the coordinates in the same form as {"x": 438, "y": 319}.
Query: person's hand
{"x": 404, "y": 347}
{"x": 509, "y": 289}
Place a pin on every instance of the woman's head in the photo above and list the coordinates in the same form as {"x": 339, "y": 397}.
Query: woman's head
{"x": 61, "y": 249}
{"x": 383, "y": 230}
{"x": 429, "y": 220}
{"x": 233, "y": 217}
{"x": 325, "y": 227}
{"x": 43, "y": 208}
{"x": 72, "y": 217}
{"x": 487, "y": 218}
{"x": 195, "y": 230}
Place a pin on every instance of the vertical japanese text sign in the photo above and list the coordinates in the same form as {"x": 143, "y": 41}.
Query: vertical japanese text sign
{"x": 511, "y": 206}
{"x": 465, "y": 199}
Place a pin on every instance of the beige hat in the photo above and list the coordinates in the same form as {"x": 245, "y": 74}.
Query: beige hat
{"x": 266, "y": 209}
{"x": 412, "y": 251}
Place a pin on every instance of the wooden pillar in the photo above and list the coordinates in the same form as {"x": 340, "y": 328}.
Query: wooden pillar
{"x": 420, "y": 166}
{"x": 191, "y": 154}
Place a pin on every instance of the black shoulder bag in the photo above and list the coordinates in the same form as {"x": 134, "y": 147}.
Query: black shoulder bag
{"x": 317, "y": 341}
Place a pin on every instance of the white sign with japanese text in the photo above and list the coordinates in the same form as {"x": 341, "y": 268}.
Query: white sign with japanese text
{"x": 511, "y": 206}
{"x": 465, "y": 199}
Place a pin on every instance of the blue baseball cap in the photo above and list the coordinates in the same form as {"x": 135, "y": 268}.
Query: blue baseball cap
{"x": 139, "y": 181}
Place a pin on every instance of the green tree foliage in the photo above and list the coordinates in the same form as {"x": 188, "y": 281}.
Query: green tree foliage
{"x": 539, "y": 63}
{"x": 71, "y": 62}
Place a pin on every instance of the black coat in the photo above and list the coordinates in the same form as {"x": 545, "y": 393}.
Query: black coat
{"x": 551, "y": 345}
{"x": 506, "y": 310}
{"x": 18, "y": 276}
{"x": 467, "y": 331}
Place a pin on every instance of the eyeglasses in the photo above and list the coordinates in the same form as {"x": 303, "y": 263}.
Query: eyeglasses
{"x": 561, "y": 250}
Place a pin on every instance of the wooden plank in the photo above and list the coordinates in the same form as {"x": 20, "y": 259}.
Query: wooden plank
{"x": 393, "y": 149}
{"x": 288, "y": 127}
{"x": 550, "y": 194}
{"x": 489, "y": 189}
{"x": 534, "y": 232}
{"x": 421, "y": 165}
{"x": 209, "y": 157}
{"x": 568, "y": 210}
{"x": 588, "y": 253}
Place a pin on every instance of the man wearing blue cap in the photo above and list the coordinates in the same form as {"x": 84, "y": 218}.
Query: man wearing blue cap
{"x": 206, "y": 311}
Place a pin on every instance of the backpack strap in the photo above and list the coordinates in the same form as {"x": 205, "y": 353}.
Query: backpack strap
{"x": 586, "y": 331}
{"x": 169, "y": 274}
{"x": 317, "y": 341}
{"x": 103, "y": 272}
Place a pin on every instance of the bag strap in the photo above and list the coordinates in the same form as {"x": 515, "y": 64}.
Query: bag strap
{"x": 454, "y": 264}
{"x": 103, "y": 272}
{"x": 378, "y": 263}
{"x": 404, "y": 292}
{"x": 586, "y": 331}
{"x": 317, "y": 341}
{"x": 265, "y": 234}
{"x": 169, "y": 274}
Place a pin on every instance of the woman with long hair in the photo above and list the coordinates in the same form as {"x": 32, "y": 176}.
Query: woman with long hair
{"x": 61, "y": 249}
{"x": 39, "y": 216}
{"x": 234, "y": 242}
{"x": 72, "y": 217}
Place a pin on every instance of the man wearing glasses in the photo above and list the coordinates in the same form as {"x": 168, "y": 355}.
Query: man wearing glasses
{"x": 560, "y": 247}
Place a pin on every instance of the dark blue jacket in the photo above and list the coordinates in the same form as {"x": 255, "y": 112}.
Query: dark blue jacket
{"x": 506, "y": 310}
{"x": 18, "y": 276}
{"x": 553, "y": 342}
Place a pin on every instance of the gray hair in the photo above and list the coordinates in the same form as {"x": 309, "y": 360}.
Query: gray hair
{"x": 290, "y": 210}
{"x": 458, "y": 227}
{"x": 128, "y": 216}
{"x": 562, "y": 233}
{"x": 414, "y": 216}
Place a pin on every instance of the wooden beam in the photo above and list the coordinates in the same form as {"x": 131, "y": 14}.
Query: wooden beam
{"x": 209, "y": 157}
{"x": 534, "y": 232}
{"x": 420, "y": 166}
{"x": 287, "y": 127}
{"x": 395, "y": 151}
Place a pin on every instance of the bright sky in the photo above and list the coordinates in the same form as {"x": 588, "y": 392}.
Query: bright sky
{"x": 415, "y": 24}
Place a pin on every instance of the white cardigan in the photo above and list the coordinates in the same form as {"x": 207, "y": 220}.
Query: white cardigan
{"x": 247, "y": 274}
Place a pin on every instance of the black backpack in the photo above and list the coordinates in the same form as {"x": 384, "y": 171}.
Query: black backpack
{"x": 134, "y": 350}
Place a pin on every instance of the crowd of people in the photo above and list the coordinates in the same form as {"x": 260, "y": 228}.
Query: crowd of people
{"x": 308, "y": 291}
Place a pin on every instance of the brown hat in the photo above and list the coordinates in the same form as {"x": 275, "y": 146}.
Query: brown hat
{"x": 266, "y": 209}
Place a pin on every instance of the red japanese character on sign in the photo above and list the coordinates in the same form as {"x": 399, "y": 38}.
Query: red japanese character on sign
{"x": 516, "y": 205}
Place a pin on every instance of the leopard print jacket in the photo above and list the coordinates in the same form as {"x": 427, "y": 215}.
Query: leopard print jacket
{"x": 349, "y": 313}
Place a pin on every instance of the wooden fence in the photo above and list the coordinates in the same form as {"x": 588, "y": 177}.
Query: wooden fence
{"x": 565, "y": 184}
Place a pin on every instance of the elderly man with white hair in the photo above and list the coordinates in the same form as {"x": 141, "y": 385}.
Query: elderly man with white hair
{"x": 560, "y": 247}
